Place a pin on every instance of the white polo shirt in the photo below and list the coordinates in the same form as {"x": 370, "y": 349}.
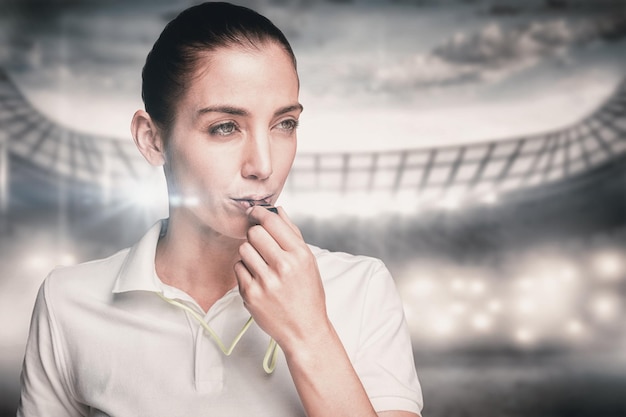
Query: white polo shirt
{"x": 103, "y": 343}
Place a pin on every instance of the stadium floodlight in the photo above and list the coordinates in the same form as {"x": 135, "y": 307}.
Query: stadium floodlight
{"x": 574, "y": 328}
{"x": 67, "y": 259}
{"x": 568, "y": 273}
{"x": 458, "y": 284}
{"x": 605, "y": 306}
{"x": 525, "y": 336}
{"x": 42, "y": 261}
{"x": 490, "y": 198}
{"x": 451, "y": 202}
{"x": 422, "y": 287}
{"x": 482, "y": 322}
{"x": 458, "y": 308}
{"x": 526, "y": 306}
{"x": 525, "y": 284}
{"x": 478, "y": 287}
{"x": 494, "y": 306}
{"x": 608, "y": 265}
{"x": 37, "y": 261}
{"x": 443, "y": 325}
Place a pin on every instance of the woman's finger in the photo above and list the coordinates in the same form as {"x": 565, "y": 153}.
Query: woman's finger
{"x": 244, "y": 277}
{"x": 253, "y": 261}
{"x": 264, "y": 244}
{"x": 277, "y": 227}
{"x": 283, "y": 215}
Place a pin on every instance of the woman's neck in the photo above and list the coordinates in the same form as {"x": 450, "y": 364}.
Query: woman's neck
{"x": 197, "y": 261}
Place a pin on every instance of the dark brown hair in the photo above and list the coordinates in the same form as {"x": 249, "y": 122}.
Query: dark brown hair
{"x": 201, "y": 28}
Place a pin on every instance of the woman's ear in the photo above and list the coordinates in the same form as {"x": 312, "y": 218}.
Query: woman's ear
{"x": 148, "y": 138}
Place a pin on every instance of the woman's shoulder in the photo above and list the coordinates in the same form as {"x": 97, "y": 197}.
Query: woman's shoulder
{"x": 334, "y": 264}
{"x": 95, "y": 276}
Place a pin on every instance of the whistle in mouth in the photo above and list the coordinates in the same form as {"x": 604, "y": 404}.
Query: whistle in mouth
{"x": 270, "y": 208}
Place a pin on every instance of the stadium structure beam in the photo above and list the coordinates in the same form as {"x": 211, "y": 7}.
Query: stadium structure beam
{"x": 595, "y": 133}
{"x": 4, "y": 182}
{"x": 567, "y": 157}
{"x": 432, "y": 155}
{"x": 551, "y": 155}
{"x": 43, "y": 137}
{"x": 483, "y": 164}
{"x": 373, "y": 170}
{"x": 400, "y": 171}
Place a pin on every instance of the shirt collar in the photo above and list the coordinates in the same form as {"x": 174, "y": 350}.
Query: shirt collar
{"x": 138, "y": 272}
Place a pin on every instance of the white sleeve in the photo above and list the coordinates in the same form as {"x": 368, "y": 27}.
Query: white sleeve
{"x": 384, "y": 361}
{"x": 45, "y": 389}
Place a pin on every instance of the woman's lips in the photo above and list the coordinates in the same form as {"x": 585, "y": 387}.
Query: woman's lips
{"x": 246, "y": 203}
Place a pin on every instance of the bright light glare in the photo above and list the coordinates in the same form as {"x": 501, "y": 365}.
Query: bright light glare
{"x": 526, "y": 284}
{"x": 44, "y": 261}
{"x": 605, "y": 306}
{"x": 550, "y": 284}
{"x": 422, "y": 287}
{"x": 477, "y": 287}
{"x": 481, "y": 322}
{"x": 574, "y": 328}
{"x": 568, "y": 273}
{"x": 67, "y": 259}
{"x": 458, "y": 308}
{"x": 526, "y": 306}
{"x": 361, "y": 205}
{"x": 490, "y": 198}
{"x": 37, "y": 262}
{"x": 451, "y": 202}
{"x": 368, "y": 204}
{"x": 494, "y": 306}
{"x": 405, "y": 203}
{"x": 525, "y": 336}
{"x": 608, "y": 265}
{"x": 148, "y": 193}
{"x": 443, "y": 326}
{"x": 458, "y": 285}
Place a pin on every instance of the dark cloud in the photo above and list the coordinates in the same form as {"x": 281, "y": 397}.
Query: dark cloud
{"x": 498, "y": 51}
{"x": 495, "y": 45}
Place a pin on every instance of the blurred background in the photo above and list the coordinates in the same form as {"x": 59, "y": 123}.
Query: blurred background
{"x": 477, "y": 147}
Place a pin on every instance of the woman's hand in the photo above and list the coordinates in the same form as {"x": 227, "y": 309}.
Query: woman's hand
{"x": 279, "y": 281}
{"x": 280, "y": 284}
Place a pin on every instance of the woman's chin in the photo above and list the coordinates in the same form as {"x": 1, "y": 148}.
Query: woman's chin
{"x": 235, "y": 229}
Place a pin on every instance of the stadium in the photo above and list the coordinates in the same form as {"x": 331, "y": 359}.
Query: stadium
{"x": 509, "y": 253}
{"x": 514, "y": 248}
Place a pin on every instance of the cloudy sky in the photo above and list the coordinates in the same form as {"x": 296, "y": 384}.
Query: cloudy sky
{"x": 375, "y": 74}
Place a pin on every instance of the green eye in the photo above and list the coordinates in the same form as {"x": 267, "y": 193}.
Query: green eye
{"x": 289, "y": 124}
{"x": 223, "y": 129}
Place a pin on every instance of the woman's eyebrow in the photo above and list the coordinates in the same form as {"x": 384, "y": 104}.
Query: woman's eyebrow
{"x": 288, "y": 109}
{"x": 235, "y": 111}
{"x": 224, "y": 109}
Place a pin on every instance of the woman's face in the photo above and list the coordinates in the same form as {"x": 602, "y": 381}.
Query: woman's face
{"x": 233, "y": 139}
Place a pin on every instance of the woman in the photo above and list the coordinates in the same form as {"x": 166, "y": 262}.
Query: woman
{"x": 146, "y": 331}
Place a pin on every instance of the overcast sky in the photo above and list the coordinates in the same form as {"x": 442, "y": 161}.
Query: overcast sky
{"x": 375, "y": 74}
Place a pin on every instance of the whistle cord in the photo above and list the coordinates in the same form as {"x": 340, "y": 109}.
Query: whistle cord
{"x": 271, "y": 354}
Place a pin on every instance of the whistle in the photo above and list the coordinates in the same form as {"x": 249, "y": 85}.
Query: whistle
{"x": 270, "y": 208}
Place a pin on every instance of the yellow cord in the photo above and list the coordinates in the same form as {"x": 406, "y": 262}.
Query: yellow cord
{"x": 272, "y": 351}
{"x": 271, "y": 354}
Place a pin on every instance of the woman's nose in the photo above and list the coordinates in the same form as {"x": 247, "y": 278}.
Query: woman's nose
{"x": 257, "y": 157}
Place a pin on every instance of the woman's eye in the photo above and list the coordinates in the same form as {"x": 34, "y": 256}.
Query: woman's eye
{"x": 223, "y": 129}
{"x": 288, "y": 125}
